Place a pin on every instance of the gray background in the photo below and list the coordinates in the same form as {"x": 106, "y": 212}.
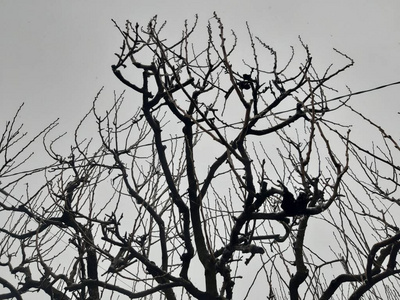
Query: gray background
{"x": 56, "y": 55}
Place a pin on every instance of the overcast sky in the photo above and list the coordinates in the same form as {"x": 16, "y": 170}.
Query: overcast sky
{"x": 56, "y": 55}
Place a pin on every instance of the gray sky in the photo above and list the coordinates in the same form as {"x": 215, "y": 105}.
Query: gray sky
{"x": 56, "y": 55}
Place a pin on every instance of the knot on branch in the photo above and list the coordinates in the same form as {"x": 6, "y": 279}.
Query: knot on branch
{"x": 249, "y": 248}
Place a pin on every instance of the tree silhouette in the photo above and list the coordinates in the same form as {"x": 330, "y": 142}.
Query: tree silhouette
{"x": 211, "y": 177}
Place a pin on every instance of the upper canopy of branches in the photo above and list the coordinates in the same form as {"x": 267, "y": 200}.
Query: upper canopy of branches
{"x": 209, "y": 158}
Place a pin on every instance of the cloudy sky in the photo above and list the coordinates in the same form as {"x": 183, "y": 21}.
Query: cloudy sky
{"x": 56, "y": 55}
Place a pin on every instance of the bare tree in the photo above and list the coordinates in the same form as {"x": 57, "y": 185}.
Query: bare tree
{"x": 212, "y": 177}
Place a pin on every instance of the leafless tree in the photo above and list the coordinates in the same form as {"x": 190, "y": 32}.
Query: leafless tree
{"x": 214, "y": 176}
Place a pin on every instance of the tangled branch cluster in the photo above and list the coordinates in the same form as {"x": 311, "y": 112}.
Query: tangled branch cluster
{"x": 204, "y": 176}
